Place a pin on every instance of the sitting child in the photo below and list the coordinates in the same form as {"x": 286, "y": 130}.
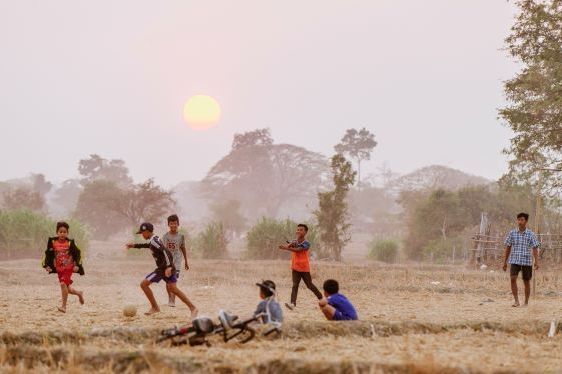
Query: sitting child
{"x": 335, "y": 306}
{"x": 273, "y": 315}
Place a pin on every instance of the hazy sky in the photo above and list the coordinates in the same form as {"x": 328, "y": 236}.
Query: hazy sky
{"x": 111, "y": 77}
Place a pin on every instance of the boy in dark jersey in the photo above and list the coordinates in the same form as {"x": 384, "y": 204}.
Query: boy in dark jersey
{"x": 164, "y": 270}
{"x": 335, "y": 306}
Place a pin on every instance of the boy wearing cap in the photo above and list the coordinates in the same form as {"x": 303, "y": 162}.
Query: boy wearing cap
{"x": 164, "y": 270}
{"x": 335, "y": 306}
{"x": 268, "y": 305}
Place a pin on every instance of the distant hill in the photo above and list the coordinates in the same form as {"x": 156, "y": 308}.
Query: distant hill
{"x": 436, "y": 177}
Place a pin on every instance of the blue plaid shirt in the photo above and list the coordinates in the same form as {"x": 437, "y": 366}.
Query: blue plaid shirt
{"x": 521, "y": 244}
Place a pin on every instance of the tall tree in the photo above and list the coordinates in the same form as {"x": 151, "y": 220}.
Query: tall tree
{"x": 96, "y": 168}
{"x": 143, "y": 202}
{"x": 260, "y": 137}
{"x": 332, "y": 209}
{"x": 66, "y": 196}
{"x": 40, "y": 184}
{"x": 264, "y": 176}
{"x": 23, "y": 197}
{"x": 228, "y": 213}
{"x": 534, "y": 109}
{"x": 357, "y": 144}
{"x": 95, "y": 208}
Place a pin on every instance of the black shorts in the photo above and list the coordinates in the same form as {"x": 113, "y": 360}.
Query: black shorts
{"x": 526, "y": 270}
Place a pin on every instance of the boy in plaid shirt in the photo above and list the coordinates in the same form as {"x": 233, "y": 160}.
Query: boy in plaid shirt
{"x": 518, "y": 245}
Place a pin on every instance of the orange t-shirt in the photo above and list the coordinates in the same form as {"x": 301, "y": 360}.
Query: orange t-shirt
{"x": 299, "y": 259}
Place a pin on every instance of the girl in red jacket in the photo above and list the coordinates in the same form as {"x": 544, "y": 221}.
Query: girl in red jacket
{"x": 64, "y": 258}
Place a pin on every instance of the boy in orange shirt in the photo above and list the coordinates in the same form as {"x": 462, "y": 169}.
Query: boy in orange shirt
{"x": 300, "y": 264}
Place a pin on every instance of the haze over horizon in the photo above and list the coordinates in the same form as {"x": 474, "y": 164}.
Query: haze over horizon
{"x": 424, "y": 77}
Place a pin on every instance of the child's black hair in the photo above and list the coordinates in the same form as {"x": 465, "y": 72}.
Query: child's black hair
{"x": 304, "y": 226}
{"x": 62, "y": 224}
{"x": 331, "y": 286}
{"x": 523, "y": 215}
{"x": 174, "y": 218}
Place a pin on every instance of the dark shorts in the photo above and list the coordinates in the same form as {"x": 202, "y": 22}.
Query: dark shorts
{"x": 526, "y": 270}
{"x": 155, "y": 277}
{"x": 339, "y": 316}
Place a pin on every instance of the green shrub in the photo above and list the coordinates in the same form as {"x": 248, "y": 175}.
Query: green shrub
{"x": 24, "y": 233}
{"x": 384, "y": 250}
{"x": 211, "y": 242}
{"x": 264, "y": 238}
{"x": 440, "y": 251}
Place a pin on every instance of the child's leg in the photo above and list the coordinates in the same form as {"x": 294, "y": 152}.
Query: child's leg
{"x": 308, "y": 281}
{"x": 172, "y": 296}
{"x": 173, "y": 289}
{"x": 295, "y": 290}
{"x": 328, "y": 311}
{"x": 145, "y": 285}
{"x": 74, "y": 291}
{"x": 64, "y": 293}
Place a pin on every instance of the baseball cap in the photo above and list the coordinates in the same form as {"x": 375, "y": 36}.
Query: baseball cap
{"x": 147, "y": 226}
{"x": 268, "y": 285}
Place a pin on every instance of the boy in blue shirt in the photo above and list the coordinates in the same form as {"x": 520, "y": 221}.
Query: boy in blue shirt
{"x": 335, "y": 306}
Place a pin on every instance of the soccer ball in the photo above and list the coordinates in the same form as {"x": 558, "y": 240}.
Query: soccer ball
{"x": 129, "y": 311}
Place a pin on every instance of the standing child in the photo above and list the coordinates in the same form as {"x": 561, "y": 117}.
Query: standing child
{"x": 64, "y": 258}
{"x": 336, "y": 307}
{"x": 300, "y": 264}
{"x": 175, "y": 243}
{"x": 164, "y": 270}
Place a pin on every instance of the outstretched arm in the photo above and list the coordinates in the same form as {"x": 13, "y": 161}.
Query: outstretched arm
{"x": 296, "y": 247}
{"x": 138, "y": 245}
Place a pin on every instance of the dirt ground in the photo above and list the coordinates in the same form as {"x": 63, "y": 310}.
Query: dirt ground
{"x": 413, "y": 319}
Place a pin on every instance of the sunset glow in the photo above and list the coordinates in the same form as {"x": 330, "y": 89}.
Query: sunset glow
{"x": 201, "y": 112}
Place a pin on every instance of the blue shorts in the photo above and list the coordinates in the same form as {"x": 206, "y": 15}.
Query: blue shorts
{"x": 339, "y": 316}
{"x": 155, "y": 277}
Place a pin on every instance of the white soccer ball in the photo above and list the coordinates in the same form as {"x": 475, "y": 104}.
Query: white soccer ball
{"x": 130, "y": 311}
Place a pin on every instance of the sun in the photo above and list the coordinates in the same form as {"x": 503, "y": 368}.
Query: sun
{"x": 201, "y": 112}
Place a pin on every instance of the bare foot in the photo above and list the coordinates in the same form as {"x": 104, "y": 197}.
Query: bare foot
{"x": 515, "y": 304}
{"x": 525, "y": 305}
{"x": 194, "y": 312}
{"x": 81, "y": 297}
{"x": 61, "y": 309}
{"x": 152, "y": 311}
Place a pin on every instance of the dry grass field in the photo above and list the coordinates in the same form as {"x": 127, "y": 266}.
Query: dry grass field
{"x": 413, "y": 319}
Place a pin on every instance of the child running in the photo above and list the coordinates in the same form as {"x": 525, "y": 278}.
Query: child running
{"x": 336, "y": 307}
{"x": 300, "y": 264}
{"x": 175, "y": 243}
{"x": 164, "y": 270}
{"x": 64, "y": 258}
